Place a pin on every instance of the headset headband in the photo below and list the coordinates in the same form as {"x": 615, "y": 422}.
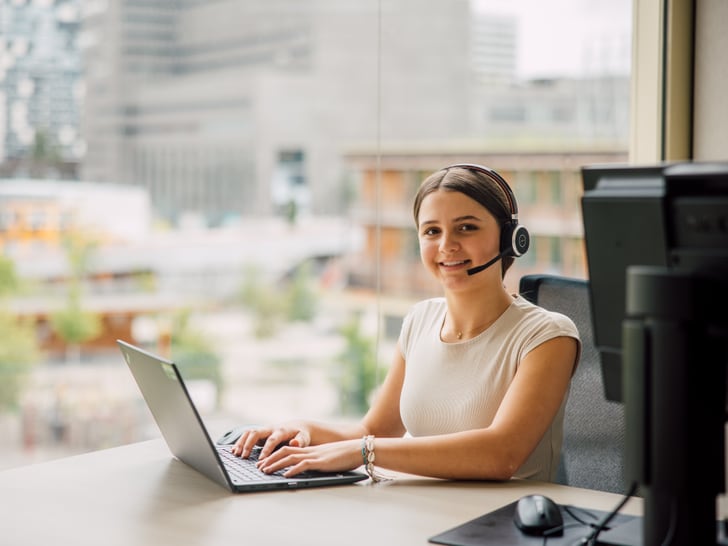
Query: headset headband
{"x": 495, "y": 177}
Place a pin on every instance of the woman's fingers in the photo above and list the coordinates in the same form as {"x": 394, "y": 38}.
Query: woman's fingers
{"x": 248, "y": 440}
{"x": 270, "y": 438}
{"x": 337, "y": 456}
{"x": 282, "y": 458}
{"x": 301, "y": 439}
{"x": 278, "y": 438}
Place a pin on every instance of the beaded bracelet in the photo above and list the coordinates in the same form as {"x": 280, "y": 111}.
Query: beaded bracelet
{"x": 368, "y": 458}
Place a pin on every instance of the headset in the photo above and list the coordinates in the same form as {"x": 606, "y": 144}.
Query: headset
{"x": 515, "y": 238}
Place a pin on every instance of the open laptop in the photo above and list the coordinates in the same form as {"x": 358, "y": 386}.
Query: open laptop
{"x": 179, "y": 421}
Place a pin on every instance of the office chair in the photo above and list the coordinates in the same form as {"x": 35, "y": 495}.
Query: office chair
{"x": 592, "y": 455}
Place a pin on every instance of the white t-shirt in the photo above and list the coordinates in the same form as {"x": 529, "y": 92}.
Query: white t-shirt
{"x": 452, "y": 387}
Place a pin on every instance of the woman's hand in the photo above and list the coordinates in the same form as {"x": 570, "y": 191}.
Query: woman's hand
{"x": 270, "y": 437}
{"x": 331, "y": 457}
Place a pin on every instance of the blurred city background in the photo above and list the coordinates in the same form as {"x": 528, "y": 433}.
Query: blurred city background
{"x": 229, "y": 182}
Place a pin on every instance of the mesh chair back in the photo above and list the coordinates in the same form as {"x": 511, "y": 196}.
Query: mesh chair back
{"x": 593, "y": 448}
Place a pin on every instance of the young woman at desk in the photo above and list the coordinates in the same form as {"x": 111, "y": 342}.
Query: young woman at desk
{"x": 477, "y": 387}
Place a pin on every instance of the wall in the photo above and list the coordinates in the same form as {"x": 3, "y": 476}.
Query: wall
{"x": 710, "y": 122}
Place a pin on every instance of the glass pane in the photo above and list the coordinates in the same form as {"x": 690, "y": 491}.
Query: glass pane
{"x": 229, "y": 184}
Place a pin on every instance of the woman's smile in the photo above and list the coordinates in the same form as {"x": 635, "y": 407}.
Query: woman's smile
{"x": 451, "y": 264}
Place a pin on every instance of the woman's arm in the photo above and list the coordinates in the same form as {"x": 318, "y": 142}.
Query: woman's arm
{"x": 494, "y": 452}
{"x": 382, "y": 419}
{"x": 497, "y": 451}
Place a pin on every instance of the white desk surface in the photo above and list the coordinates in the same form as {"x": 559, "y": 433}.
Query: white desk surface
{"x": 139, "y": 495}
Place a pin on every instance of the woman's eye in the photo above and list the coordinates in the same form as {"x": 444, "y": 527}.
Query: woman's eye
{"x": 468, "y": 227}
{"x": 430, "y": 231}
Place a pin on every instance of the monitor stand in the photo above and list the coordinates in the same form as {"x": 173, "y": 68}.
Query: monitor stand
{"x": 630, "y": 534}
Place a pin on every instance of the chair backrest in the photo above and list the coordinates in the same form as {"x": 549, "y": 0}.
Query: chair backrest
{"x": 592, "y": 454}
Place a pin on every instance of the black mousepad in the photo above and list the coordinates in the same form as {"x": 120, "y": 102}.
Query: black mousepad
{"x": 497, "y": 528}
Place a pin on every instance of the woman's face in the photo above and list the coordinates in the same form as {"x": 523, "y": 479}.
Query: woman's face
{"x": 457, "y": 233}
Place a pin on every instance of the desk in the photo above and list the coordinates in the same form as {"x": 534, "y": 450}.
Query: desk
{"x": 139, "y": 495}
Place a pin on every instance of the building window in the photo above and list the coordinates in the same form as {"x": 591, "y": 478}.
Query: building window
{"x": 556, "y": 253}
{"x": 556, "y": 189}
{"x": 289, "y": 189}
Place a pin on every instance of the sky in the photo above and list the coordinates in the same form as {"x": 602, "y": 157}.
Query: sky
{"x": 568, "y": 37}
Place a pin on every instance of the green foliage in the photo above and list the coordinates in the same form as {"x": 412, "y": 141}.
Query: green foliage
{"x": 357, "y": 376}
{"x": 269, "y": 310}
{"x": 146, "y": 281}
{"x": 79, "y": 251}
{"x": 74, "y": 325}
{"x": 291, "y": 212}
{"x": 301, "y": 296}
{"x": 193, "y": 352}
{"x": 18, "y": 354}
{"x": 19, "y": 350}
{"x": 8, "y": 279}
{"x": 272, "y": 306}
{"x": 44, "y": 155}
{"x": 251, "y": 283}
{"x": 43, "y": 150}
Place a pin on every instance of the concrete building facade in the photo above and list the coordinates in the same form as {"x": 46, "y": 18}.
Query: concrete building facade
{"x": 239, "y": 107}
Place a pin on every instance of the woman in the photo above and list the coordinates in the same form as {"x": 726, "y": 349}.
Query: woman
{"x": 477, "y": 387}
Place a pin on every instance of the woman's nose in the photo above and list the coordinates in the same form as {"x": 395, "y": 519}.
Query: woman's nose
{"x": 448, "y": 243}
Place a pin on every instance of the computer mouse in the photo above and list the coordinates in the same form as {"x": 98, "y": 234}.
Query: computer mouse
{"x": 232, "y": 435}
{"x": 536, "y": 514}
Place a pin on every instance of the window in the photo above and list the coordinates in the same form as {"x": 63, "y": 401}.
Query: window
{"x": 556, "y": 187}
{"x": 246, "y": 194}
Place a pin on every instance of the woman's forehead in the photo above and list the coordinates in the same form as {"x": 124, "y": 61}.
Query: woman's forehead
{"x": 450, "y": 204}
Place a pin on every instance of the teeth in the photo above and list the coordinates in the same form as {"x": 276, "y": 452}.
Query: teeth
{"x": 450, "y": 264}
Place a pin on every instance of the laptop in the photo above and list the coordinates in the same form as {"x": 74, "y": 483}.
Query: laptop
{"x": 179, "y": 421}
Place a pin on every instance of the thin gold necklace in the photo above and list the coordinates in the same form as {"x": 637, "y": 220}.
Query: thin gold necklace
{"x": 459, "y": 333}
{"x": 477, "y": 330}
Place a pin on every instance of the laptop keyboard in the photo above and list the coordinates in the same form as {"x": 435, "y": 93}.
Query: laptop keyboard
{"x": 245, "y": 469}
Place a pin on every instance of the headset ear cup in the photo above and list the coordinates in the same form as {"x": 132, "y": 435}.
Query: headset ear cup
{"x": 520, "y": 240}
{"x": 515, "y": 239}
{"x": 506, "y": 244}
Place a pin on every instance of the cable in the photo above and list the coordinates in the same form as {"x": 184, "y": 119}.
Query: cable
{"x": 592, "y": 539}
{"x": 559, "y": 529}
{"x": 569, "y": 510}
{"x": 673, "y": 523}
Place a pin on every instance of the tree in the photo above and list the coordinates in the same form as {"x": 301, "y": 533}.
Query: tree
{"x": 44, "y": 155}
{"x": 18, "y": 345}
{"x": 194, "y": 353}
{"x": 301, "y": 295}
{"x": 272, "y": 306}
{"x": 18, "y": 354}
{"x": 357, "y": 376}
{"x": 73, "y": 324}
{"x": 8, "y": 279}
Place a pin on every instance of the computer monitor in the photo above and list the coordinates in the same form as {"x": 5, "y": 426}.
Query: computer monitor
{"x": 624, "y": 224}
{"x": 657, "y": 252}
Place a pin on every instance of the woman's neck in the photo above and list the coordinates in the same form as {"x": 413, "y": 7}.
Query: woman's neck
{"x": 468, "y": 315}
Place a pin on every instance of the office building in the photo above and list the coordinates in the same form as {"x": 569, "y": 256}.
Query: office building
{"x": 40, "y": 82}
{"x": 243, "y": 107}
{"x": 493, "y": 48}
{"x": 592, "y": 109}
